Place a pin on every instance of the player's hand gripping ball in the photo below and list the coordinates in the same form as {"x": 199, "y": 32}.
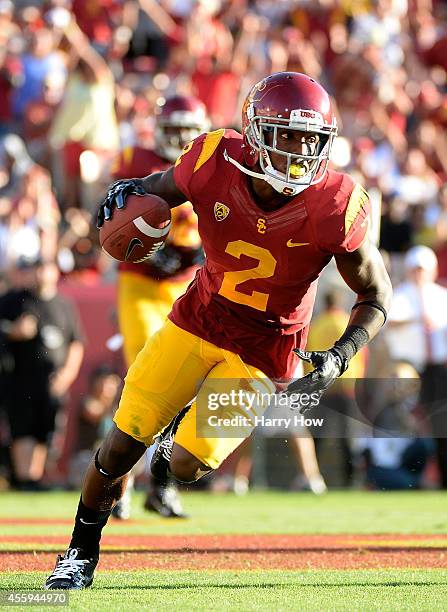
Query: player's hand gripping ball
{"x": 139, "y": 227}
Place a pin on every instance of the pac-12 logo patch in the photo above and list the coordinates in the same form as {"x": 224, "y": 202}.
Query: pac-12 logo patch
{"x": 221, "y": 211}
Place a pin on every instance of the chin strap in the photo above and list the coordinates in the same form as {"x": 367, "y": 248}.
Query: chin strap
{"x": 242, "y": 168}
{"x": 275, "y": 183}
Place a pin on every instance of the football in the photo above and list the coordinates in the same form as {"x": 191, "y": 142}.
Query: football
{"x": 138, "y": 230}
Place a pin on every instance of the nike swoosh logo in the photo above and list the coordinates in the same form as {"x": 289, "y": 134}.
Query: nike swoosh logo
{"x": 86, "y": 523}
{"x": 132, "y": 244}
{"x": 295, "y": 244}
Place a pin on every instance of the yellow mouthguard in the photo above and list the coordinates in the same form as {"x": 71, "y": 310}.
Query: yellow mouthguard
{"x": 297, "y": 170}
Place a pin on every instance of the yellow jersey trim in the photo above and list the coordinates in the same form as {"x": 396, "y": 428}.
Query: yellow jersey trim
{"x": 209, "y": 145}
{"x": 357, "y": 201}
{"x": 128, "y": 155}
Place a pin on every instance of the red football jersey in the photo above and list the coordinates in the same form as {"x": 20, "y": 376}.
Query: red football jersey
{"x": 181, "y": 255}
{"x": 255, "y": 293}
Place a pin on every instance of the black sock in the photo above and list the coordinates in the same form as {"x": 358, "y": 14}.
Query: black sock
{"x": 87, "y": 530}
{"x": 160, "y": 482}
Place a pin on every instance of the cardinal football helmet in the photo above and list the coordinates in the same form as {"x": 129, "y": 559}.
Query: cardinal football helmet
{"x": 296, "y": 102}
{"x": 179, "y": 119}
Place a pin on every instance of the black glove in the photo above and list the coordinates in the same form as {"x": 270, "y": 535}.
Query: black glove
{"x": 328, "y": 366}
{"x": 116, "y": 196}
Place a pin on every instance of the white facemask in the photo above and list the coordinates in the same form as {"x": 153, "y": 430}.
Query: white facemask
{"x": 278, "y": 183}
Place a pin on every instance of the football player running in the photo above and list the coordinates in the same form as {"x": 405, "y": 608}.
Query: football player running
{"x": 146, "y": 291}
{"x": 271, "y": 217}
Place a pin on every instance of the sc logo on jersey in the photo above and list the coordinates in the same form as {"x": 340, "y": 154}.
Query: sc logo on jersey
{"x": 221, "y": 211}
{"x": 261, "y": 225}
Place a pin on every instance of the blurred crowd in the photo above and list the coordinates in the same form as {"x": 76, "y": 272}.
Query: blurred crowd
{"x": 80, "y": 81}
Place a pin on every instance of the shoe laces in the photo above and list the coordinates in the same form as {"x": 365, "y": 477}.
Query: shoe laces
{"x": 68, "y": 565}
{"x": 165, "y": 448}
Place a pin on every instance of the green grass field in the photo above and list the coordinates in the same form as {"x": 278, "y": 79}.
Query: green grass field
{"x": 259, "y": 512}
{"x": 410, "y": 588}
{"x": 274, "y": 590}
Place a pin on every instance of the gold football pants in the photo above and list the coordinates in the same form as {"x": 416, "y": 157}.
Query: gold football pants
{"x": 174, "y": 367}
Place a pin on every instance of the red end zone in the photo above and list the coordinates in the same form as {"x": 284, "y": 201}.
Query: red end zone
{"x": 237, "y": 552}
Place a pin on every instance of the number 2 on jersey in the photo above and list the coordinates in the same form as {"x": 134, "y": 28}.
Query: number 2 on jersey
{"x": 264, "y": 269}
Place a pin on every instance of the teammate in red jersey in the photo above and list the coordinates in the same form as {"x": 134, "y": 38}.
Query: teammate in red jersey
{"x": 271, "y": 216}
{"x": 146, "y": 291}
